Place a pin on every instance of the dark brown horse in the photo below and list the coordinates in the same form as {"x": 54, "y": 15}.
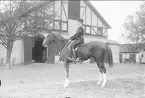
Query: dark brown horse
{"x": 93, "y": 49}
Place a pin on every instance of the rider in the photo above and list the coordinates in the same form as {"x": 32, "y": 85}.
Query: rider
{"x": 78, "y": 38}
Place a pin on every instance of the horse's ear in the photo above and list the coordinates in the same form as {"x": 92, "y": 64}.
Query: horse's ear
{"x": 52, "y": 33}
{"x": 45, "y": 34}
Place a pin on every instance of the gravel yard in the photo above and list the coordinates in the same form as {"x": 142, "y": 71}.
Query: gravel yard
{"x": 45, "y": 81}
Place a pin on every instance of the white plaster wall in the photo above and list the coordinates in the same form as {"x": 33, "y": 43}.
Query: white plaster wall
{"x": 72, "y": 26}
{"x": 2, "y": 53}
{"x": 17, "y": 52}
{"x": 115, "y": 53}
{"x": 138, "y": 55}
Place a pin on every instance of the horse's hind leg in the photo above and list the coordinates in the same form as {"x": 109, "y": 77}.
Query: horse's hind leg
{"x": 100, "y": 78}
{"x": 102, "y": 73}
{"x": 104, "y": 79}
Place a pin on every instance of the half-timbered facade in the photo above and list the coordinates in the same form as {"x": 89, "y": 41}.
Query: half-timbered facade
{"x": 65, "y": 13}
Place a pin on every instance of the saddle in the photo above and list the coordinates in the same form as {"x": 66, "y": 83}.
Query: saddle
{"x": 77, "y": 58}
{"x": 79, "y": 46}
{"x": 76, "y": 47}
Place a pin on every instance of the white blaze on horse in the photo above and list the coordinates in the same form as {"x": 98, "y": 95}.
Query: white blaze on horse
{"x": 92, "y": 49}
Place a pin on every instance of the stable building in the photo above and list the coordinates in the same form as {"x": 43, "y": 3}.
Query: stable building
{"x": 30, "y": 49}
{"x": 132, "y": 53}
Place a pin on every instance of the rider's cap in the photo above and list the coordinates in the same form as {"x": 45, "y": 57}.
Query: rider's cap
{"x": 80, "y": 20}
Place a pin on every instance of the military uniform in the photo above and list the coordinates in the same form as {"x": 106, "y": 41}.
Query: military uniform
{"x": 78, "y": 38}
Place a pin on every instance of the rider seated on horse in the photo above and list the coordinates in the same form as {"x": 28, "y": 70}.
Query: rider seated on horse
{"x": 78, "y": 38}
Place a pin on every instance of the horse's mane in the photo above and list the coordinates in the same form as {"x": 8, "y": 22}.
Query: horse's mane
{"x": 59, "y": 37}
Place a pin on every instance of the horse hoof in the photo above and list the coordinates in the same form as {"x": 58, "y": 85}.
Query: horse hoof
{"x": 103, "y": 85}
{"x": 98, "y": 83}
{"x": 65, "y": 85}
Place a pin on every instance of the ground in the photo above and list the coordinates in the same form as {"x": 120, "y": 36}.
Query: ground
{"x": 46, "y": 80}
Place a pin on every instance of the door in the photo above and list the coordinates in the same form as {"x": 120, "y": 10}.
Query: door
{"x": 27, "y": 50}
{"x": 51, "y": 51}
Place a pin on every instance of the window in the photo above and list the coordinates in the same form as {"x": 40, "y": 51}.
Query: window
{"x": 87, "y": 30}
{"x": 83, "y": 14}
{"x": 93, "y": 30}
{"x": 57, "y": 25}
{"x": 64, "y": 11}
{"x": 94, "y": 19}
{"x": 88, "y": 16}
{"x": 58, "y": 9}
{"x": 100, "y": 24}
{"x": 105, "y": 32}
{"x": 100, "y": 30}
{"x": 64, "y": 26}
{"x": 49, "y": 10}
{"x": 50, "y": 26}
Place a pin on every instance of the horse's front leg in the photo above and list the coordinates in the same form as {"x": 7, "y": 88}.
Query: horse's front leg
{"x": 66, "y": 66}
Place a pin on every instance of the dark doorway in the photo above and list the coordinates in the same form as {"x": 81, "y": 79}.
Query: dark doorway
{"x": 38, "y": 51}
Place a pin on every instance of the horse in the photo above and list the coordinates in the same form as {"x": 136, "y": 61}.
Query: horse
{"x": 92, "y": 49}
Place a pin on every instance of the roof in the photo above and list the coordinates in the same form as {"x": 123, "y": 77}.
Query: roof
{"x": 129, "y": 48}
{"x": 97, "y": 13}
{"x": 112, "y": 42}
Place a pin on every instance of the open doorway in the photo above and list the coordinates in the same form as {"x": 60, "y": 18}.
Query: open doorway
{"x": 38, "y": 51}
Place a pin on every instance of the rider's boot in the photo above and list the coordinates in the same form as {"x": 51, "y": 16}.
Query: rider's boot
{"x": 74, "y": 55}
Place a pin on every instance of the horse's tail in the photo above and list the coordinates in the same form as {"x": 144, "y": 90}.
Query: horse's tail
{"x": 110, "y": 58}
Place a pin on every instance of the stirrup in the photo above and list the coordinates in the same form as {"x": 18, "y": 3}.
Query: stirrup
{"x": 71, "y": 58}
{"x": 77, "y": 59}
{"x": 69, "y": 47}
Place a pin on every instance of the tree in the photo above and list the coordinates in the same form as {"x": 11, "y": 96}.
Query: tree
{"x": 40, "y": 19}
{"x": 14, "y": 22}
{"x": 34, "y": 5}
{"x": 135, "y": 28}
{"x": 11, "y": 30}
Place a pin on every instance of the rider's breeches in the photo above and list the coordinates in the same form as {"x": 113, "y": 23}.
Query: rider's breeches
{"x": 75, "y": 43}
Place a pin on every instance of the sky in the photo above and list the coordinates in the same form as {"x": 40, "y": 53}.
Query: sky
{"x": 115, "y": 12}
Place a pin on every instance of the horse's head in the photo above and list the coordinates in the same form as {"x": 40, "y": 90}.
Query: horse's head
{"x": 49, "y": 39}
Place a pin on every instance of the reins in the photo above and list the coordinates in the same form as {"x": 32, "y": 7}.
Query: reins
{"x": 64, "y": 45}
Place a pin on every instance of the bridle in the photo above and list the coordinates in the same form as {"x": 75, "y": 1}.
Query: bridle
{"x": 53, "y": 41}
